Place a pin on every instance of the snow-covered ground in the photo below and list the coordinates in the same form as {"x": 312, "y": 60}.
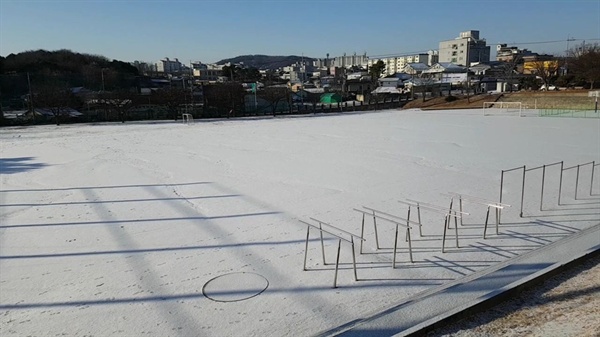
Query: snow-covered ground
{"x": 117, "y": 229}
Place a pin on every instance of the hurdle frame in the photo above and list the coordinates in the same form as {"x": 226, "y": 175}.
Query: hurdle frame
{"x": 481, "y": 201}
{"x": 448, "y": 213}
{"x": 578, "y": 167}
{"x": 340, "y": 239}
{"x": 399, "y": 222}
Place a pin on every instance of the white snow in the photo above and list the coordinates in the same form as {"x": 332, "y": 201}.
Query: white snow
{"x": 114, "y": 229}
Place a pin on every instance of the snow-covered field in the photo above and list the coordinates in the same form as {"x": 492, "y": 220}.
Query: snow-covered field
{"x": 117, "y": 229}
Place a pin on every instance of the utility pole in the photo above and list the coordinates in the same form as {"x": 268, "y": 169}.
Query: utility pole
{"x": 31, "y": 109}
{"x": 468, "y": 63}
{"x": 102, "y": 72}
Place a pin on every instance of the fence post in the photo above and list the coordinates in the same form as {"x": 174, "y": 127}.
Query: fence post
{"x": 501, "y": 183}
{"x": 560, "y": 181}
{"x": 523, "y": 190}
{"x": 577, "y": 182}
{"x": 542, "y": 194}
{"x": 592, "y": 180}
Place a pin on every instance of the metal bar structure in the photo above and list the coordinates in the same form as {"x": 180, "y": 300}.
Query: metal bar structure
{"x": 502, "y": 185}
{"x": 543, "y": 167}
{"x": 481, "y": 201}
{"x": 593, "y": 163}
{"x": 399, "y": 222}
{"x": 592, "y": 179}
{"x": 523, "y": 191}
{"x": 560, "y": 182}
{"x": 542, "y": 192}
{"x": 448, "y": 213}
{"x": 375, "y": 228}
{"x": 577, "y": 182}
{"x": 340, "y": 239}
{"x": 434, "y": 208}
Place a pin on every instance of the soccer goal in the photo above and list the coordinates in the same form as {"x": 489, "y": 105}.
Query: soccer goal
{"x": 187, "y": 118}
{"x": 503, "y": 109}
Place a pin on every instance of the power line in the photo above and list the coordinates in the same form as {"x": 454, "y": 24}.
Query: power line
{"x": 555, "y": 41}
{"x": 410, "y": 53}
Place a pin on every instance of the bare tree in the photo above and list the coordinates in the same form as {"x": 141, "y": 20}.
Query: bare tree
{"x": 509, "y": 70}
{"x": 119, "y": 101}
{"x": 585, "y": 64}
{"x": 274, "y": 95}
{"x": 172, "y": 99}
{"x": 225, "y": 97}
{"x": 546, "y": 71}
{"x": 55, "y": 97}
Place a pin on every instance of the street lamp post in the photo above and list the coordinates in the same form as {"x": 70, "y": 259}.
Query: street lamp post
{"x": 102, "y": 74}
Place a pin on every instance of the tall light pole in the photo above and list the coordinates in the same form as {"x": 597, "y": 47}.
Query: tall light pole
{"x": 102, "y": 73}
{"x": 467, "y": 64}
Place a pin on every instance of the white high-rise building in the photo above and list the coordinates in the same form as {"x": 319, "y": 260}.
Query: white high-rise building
{"x": 169, "y": 66}
{"x": 465, "y": 50}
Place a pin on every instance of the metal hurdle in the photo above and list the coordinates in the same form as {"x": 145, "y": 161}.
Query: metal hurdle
{"x": 398, "y": 221}
{"x": 543, "y": 167}
{"x": 340, "y": 239}
{"x": 593, "y": 163}
{"x": 560, "y": 184}
{"x": 592, "y": 179}
{"x": 522, "y": 189}
{"x": 448, "y": 213}
{"x": 543, "y": 179}
{"x": 477, "y": 200}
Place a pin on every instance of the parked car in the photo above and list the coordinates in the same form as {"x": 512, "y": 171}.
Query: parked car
{"x": 550, "y": 88}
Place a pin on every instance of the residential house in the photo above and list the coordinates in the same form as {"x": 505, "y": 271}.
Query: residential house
{"x": 509, "y": 54}
{"x": 446, "y": 72}
{"x": 415, "y": 68}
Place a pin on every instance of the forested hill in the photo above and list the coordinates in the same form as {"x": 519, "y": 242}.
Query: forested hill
{"x": 264, "y": 62}
{"x": 59, "y": 61}
{"x": 62, "y": 67}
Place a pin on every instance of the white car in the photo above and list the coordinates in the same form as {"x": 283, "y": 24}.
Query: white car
{"x": 550, "y": 88}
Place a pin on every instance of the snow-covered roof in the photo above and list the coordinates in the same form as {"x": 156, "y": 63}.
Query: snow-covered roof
{"x": 417, "y": 66}
{"x": 64, "y": 111}
{"x": 387, "y": 90}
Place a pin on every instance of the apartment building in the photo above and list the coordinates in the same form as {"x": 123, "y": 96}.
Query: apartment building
{"x": 465, "y": 50}
{"x": 206, "y": 72}
{"x": 168, "y": 66}
{"x": 396, "y": 64}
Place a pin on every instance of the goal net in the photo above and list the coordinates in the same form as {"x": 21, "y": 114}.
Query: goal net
{"x": 187, "y": 118}
{"x": 502, "y": 109}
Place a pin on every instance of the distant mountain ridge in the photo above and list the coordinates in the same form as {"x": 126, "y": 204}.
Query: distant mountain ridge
{"x": 266, "y": 62}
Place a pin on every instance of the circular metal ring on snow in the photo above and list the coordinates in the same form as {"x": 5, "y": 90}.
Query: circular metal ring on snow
{"x": 234, "y": 287}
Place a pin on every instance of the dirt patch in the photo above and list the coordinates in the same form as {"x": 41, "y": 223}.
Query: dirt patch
{"x": 567, "y": 99}
{"x": 567, "y": 304}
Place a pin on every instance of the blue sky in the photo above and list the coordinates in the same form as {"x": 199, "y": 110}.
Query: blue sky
{"x": 208, "y": 31}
